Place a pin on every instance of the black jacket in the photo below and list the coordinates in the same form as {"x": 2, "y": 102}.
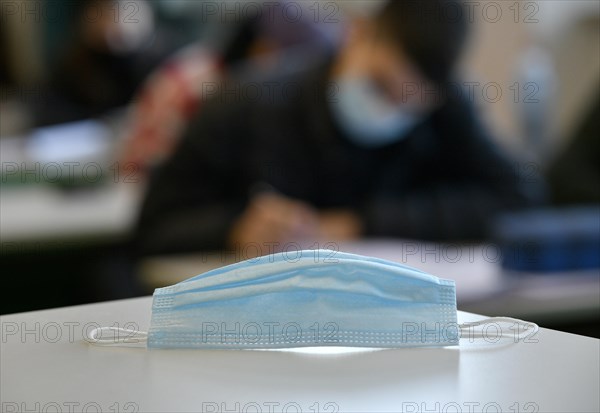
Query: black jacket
{"x": 443, "y": 181}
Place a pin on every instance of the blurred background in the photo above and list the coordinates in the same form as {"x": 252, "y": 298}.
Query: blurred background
{"x": 95, "y": 94}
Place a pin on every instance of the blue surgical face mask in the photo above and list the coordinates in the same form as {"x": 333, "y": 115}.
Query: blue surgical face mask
{"x": 366, "y": 117}
{"x": 301, "y": 299}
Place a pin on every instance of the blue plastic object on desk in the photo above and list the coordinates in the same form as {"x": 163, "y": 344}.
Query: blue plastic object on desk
{"x": 550, "y": 240}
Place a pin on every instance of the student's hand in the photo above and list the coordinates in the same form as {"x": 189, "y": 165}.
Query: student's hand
{"x": 339, "y": 225}
{"x": 272, "y": 218}
{"x": 271, "y": 221}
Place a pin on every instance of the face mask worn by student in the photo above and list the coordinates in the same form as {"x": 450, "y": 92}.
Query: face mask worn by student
{"x": 304, "y": 299}
{"x": 365, "y": 116}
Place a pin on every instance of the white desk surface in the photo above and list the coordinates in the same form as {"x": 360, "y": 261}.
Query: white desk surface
{"x": 45, "y": 214}
{"x": 559, "y": 373}
{"x": 39, "y": 213}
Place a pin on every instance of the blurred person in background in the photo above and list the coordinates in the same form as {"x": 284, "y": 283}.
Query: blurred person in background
{"x": 97, "y": 71}
{"x": 574, "y": 176}
{"x": 351, "y": 153}
{"x": 111, "y": 48}
{"x": 173, "y": 93}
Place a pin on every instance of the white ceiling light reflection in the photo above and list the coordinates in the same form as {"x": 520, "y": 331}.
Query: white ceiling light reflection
{"x": 324, "y": 350}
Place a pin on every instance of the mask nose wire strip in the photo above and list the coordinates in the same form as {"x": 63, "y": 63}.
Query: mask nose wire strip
{"x": 524, "y": 329}
{"x": 117, "y": 336}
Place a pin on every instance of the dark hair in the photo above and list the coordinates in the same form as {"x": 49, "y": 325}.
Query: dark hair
{"x": 431, "y": 32}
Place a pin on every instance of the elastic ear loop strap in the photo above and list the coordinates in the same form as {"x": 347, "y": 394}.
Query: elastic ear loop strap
{"x": 524, "y": 330}
{"x": 117, "y": 337}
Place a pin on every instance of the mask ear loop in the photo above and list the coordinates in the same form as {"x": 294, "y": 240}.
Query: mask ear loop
{"x": 121, "y": 337}
{"x": 519, "y": 331}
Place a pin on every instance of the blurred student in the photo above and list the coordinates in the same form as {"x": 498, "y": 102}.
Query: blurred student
{"x": 102, "y": 62}
{"x": 342, "y": 149}
{"x": 174, "y": 93}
